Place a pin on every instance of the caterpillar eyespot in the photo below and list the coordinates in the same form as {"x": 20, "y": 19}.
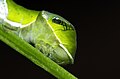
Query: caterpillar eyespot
{"x": 64, "y": 24}
{"x": 56, "y": 20}
{"x": 40, "y": 30}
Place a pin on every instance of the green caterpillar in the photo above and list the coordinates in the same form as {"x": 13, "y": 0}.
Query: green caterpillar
{"x": 51, "y": 34}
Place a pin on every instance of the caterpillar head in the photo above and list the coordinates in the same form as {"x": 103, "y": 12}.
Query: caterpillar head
{"x": 65, "y": 33}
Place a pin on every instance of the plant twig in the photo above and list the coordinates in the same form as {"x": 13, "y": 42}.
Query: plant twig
{"x": 34, "y": 55}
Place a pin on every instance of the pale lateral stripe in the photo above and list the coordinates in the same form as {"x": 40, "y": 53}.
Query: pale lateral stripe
{"x": 3, "y": 10}
{"x": 61, "y": 45}
{"x": 4, "y": 13}
{"x": 67, "y": 52}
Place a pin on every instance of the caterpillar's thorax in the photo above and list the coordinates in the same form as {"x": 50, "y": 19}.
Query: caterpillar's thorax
{"x": 49, "y": 33}
{"x": 51, "y": 38}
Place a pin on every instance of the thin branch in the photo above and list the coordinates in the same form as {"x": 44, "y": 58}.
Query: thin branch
{"x": 34, "y": 55}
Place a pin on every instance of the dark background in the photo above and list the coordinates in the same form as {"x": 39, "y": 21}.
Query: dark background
{"x": 98, "y": 37}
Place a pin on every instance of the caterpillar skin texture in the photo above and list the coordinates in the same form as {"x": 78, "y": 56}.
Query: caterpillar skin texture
{"x": 51, "y": 34}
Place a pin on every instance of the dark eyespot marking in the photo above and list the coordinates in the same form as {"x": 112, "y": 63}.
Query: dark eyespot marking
{"x": 56, "y": 20}
{"x": 64, "y": 24}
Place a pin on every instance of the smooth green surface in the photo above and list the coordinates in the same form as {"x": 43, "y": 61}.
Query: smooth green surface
{"x": 17, "y": 13}
{"x": 34, "y": 55}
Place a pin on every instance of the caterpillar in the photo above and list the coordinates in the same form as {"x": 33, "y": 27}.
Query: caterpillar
{"x": 50, "y": 33}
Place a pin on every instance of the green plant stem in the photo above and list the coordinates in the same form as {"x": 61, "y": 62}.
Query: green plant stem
{"x": 34, "y": 55}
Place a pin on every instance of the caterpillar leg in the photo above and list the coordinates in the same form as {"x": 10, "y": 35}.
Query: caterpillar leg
{"x": 12, "y": 28}
{"x": 57, "y": 54}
